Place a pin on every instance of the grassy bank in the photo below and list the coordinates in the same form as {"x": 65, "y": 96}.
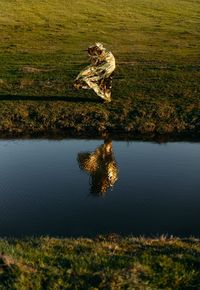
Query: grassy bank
{"x": 129, "y": 117}
{"x": 102, "y": 263}
{"x": 156, "y": 85}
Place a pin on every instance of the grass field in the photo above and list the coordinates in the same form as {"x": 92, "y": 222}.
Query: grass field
{"x": 140, "y": 30}
{"x": 156, "y": 84}
{"x": 104, "y": 263}
{"x": 156, "y": 90}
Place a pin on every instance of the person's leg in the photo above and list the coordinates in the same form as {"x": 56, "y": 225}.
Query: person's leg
{"x": 105, "y": 85}
{"x": 96, "y": 88}
{"x": 79, "y": 84}
{"x": 86, "y": 79}
{"x": 81, "y": 79}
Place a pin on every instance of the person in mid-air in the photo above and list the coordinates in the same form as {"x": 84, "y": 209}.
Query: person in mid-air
{"x": 98, "y": 75}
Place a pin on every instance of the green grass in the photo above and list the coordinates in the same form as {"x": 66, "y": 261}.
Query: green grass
{"x": 153, "y": 30}
{"x": 102, "y": 263}
{"x": 155, "y": 91}
{"x": 156, "y": 84}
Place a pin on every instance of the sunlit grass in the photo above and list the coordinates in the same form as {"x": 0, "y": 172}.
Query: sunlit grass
{"x": 151, "y": 30}
{"x": 156, "y": 44}
{"x": 101, "y": 263}
{"x": 155, "y": 90}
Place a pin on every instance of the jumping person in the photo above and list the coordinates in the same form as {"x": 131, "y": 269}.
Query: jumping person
{"x": 97, "y": 75}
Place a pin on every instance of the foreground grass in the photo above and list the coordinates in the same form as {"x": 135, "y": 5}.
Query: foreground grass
{"x": 101, "y": 263}
{"x": 156, "y": 85}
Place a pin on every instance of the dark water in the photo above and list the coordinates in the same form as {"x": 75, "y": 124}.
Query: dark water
{"x": 81, "y": 187}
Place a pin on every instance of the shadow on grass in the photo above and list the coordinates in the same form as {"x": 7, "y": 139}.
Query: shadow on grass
{"x": 48, "y": 98}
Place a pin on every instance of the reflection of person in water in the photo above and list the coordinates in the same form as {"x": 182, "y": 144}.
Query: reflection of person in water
{"x": 101, "y": 166}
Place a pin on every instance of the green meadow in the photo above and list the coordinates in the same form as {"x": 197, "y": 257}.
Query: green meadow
{"x": 102, "y": 263}
{"x": 156, "y": 84}
{"x": 138, "y": 30}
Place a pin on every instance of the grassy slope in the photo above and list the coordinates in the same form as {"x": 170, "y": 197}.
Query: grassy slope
{"x": 156, "y": 44}
{"x": 104, "y": 263}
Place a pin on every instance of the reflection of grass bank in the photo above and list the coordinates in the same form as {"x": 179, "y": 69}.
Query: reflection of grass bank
{"x": 103, "y": 263}
{"x": 156, "y": 84}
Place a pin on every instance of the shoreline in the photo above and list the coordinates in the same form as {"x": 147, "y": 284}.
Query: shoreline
{"x": 114, "y": 136}
{"x": 129, "y": 117}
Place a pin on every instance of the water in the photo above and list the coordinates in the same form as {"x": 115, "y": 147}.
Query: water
{"x": 84, "y": 188}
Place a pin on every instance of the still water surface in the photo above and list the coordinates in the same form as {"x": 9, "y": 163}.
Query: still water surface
{"x": 84, "y": 188}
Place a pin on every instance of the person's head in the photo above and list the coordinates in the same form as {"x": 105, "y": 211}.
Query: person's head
{"x": 96, "y": 49}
